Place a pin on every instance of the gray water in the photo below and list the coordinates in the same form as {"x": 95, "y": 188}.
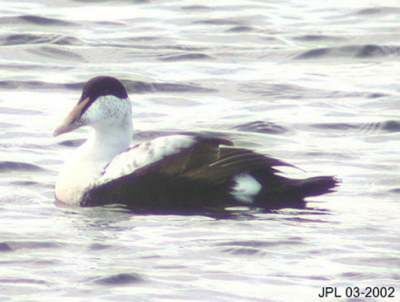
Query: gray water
{"x": 315, "y": 83}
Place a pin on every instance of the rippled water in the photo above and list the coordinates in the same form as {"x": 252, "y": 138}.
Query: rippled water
{"x": 315, "y": 83}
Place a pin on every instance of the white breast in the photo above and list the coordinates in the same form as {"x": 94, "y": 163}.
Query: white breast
{"x": 76, "y": 177}
{"x": 88, "y": 169}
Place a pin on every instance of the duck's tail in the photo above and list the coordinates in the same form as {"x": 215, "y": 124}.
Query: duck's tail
{"x": 315, "y": 186}
{"x": 286, "y": 192}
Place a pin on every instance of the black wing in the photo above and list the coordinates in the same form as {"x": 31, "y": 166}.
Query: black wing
{"x": 199, "y": 175}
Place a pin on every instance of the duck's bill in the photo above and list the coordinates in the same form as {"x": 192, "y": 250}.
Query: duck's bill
{"x": 71, "y": 122}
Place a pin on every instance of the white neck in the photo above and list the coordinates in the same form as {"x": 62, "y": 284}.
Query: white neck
{"x": 106, "y": 141}
{"x": 80, "y": 173}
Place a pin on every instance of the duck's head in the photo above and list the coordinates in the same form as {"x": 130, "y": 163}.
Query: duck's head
{"x": 104, "y": 102}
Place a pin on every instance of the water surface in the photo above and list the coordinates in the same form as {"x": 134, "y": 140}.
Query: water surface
{"x": 313, "y": 83}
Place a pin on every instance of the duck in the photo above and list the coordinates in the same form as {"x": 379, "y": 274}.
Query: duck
{"x": 172, "y": 172}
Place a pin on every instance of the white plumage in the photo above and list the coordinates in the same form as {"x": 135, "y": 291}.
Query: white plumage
{"x": 246, "y": 188}
{"x": 177, "y": 171}
{"x": 111, "y": 121}
{"x": 145, "y": 154}
{"x": 105, "y": 155}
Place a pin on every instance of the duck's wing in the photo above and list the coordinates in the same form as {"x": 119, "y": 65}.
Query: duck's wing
{"x": 169, "y": 155}
{"x": 232, "y": 161}
{"x": 147, "y": 167}
{"x": 179, "y": 171}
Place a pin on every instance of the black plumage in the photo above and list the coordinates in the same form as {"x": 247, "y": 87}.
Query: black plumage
{"x": 101, "y": 86}
{"x": 202, "y": 177}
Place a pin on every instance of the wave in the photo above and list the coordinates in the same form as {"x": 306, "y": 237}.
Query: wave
{"x": 351, "y": 51}
{"x": 33, "y": 245}
{"x": 144, "y": 87}
{"x": 261, "y": 127}
{"x": 132, "y": 86}
{"x": 26, "y": 281}
{"x": 294, "y": 91}
{"x": 57, "y": 53}
{"x": 362, "y": 128}
{"x": 196, "y": 7}
{"x": 241, "y": 28}
{"x": 396, "y": 191}
{"x": 315, "y": 37}
{"x": 391, "y": 126}
{"x": 4, "y": 247}
{"x": 18, "y": 39}
{"x": 383, "y": 10}
{"x": 38, "y": 85}
{"x": 71, "y": 142}
{"x": 186, "y": 57}
{"x": 36, "y": 20}
{"x": 18, "y": 166}
{"x": 119, "y": 279}
{"x": 217, "y": 21}
{"x": 10, "y": 110}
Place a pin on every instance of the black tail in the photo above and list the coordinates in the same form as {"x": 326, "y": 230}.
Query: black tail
{"x": 282, "y": 192}
{"x": 316, "y": 185}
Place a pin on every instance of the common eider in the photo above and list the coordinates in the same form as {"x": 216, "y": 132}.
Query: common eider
{"x": 175, "y": 172}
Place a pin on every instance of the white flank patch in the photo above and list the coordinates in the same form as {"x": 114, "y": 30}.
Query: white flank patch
{"x": 246, "y": 188}
{"x": 145, "y": 154}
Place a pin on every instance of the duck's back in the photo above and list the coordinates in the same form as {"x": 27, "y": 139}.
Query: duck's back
{"x": 194, "y": 172}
